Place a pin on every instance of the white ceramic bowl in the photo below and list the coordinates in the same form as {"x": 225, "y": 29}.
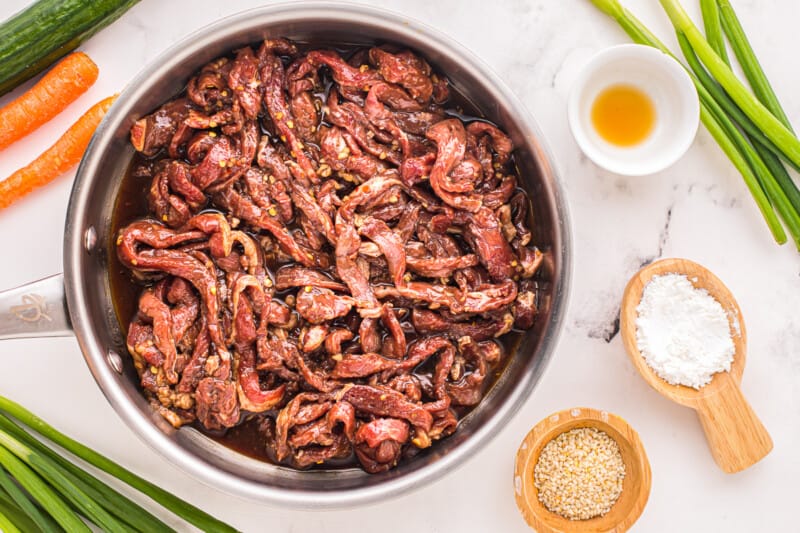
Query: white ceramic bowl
{"x": 669, "y": 87}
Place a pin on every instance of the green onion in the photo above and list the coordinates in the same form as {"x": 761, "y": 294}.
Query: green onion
{"x": 121, "y": 507}
{"x": 762, "y": 148}
{"x": 765, "y": 177}
{"x": 6, "y": 525}
{"x": 711, "y": 23}
{"x": 70, "y": 491}
{"x": 165, "y": 499}
{"x": 42, "y": 493}
{"x": 759, "y": 140}
{"x": 42, "y": 521}
{"x": 763, "y": 91}
{"x": 773, "y": 128}
{"x": 713, "y": 122}
{"x": 750, "y": 65}
{"x": 17, "y": 516}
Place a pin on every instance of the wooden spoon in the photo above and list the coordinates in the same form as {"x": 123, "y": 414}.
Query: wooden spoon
{"x": 736, "y": 436}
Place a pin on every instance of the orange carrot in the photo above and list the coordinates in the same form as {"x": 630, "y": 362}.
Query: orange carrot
{"x": 65, "y": 82}
{"x": 56, "y": 160}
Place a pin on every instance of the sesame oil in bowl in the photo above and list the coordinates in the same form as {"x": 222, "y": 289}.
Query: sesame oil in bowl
{"x": 623, "y": 115}
{"x": 633, "y": 110}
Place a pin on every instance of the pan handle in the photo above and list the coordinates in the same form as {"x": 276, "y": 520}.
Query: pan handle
{"x": 38, "y": 309}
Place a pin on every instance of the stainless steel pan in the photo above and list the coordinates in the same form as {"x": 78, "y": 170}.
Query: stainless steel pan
{"x": 79, "y": 300}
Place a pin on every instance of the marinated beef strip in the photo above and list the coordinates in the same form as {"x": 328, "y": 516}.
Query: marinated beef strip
{"x": 328, "y": 249}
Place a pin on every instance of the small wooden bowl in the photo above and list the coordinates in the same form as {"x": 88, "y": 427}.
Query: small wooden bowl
{"x": 635, "y": 486}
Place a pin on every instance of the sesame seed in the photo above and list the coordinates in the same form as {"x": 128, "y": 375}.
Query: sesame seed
{"x": 290, "y": 123}
{"x": 307, "y": 288}
{"x": 579, "y": 474}
{"x": 279, "y": 115}
{"x": 212, "y": 134}
{"x": 283, "y": 138}
{"x": 272, "y": 211}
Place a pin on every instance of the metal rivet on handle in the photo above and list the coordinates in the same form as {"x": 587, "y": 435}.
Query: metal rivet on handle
{"x": 115, "y": 361}
{"x": 90, "y": 239}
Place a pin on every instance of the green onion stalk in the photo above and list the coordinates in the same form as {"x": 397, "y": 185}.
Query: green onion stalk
{"x": 42, "y": 493}
{"x": 771, "y": 126}
{"x": 750, "y": 65}
{"x": 48, "y": 493}
{"x": 19, "y": 499}
{"x": 713, "y": 27}
{"x": 13, "y": 514}
{"x": 6, "y": 525}
{"x": 788, "y": 199}
{"x": 718, "y": 124}
{"x": 124, "y": 509}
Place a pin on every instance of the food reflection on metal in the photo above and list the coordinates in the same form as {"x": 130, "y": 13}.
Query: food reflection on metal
{"x": 32, "y": 309}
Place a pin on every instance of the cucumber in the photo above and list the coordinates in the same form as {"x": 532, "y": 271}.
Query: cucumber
{"x": 47, "y": 30}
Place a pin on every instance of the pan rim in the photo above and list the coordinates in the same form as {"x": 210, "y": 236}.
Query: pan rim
{"x": 95, "y": 354}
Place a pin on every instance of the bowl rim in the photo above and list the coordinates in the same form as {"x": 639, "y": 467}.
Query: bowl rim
{"x": 95, "y": 353}
{"x": 554, "y": 425}
{"x": 687, "y": 93}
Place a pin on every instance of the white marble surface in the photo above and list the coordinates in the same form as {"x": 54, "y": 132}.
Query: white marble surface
{"x": 698, "y": 209}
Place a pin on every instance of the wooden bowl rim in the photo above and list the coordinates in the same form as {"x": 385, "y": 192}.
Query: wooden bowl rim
{"x": 681, "y": 394}
{"x": 536, "y": 514}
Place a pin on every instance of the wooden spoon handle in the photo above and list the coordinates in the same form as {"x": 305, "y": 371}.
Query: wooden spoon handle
{"x": 736, "y": 436}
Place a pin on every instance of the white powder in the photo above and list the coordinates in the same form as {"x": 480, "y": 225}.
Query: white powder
{"x": 683, "y": 332}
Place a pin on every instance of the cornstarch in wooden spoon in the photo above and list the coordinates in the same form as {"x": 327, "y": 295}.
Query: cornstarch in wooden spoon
{"x": 683, "y": 332}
